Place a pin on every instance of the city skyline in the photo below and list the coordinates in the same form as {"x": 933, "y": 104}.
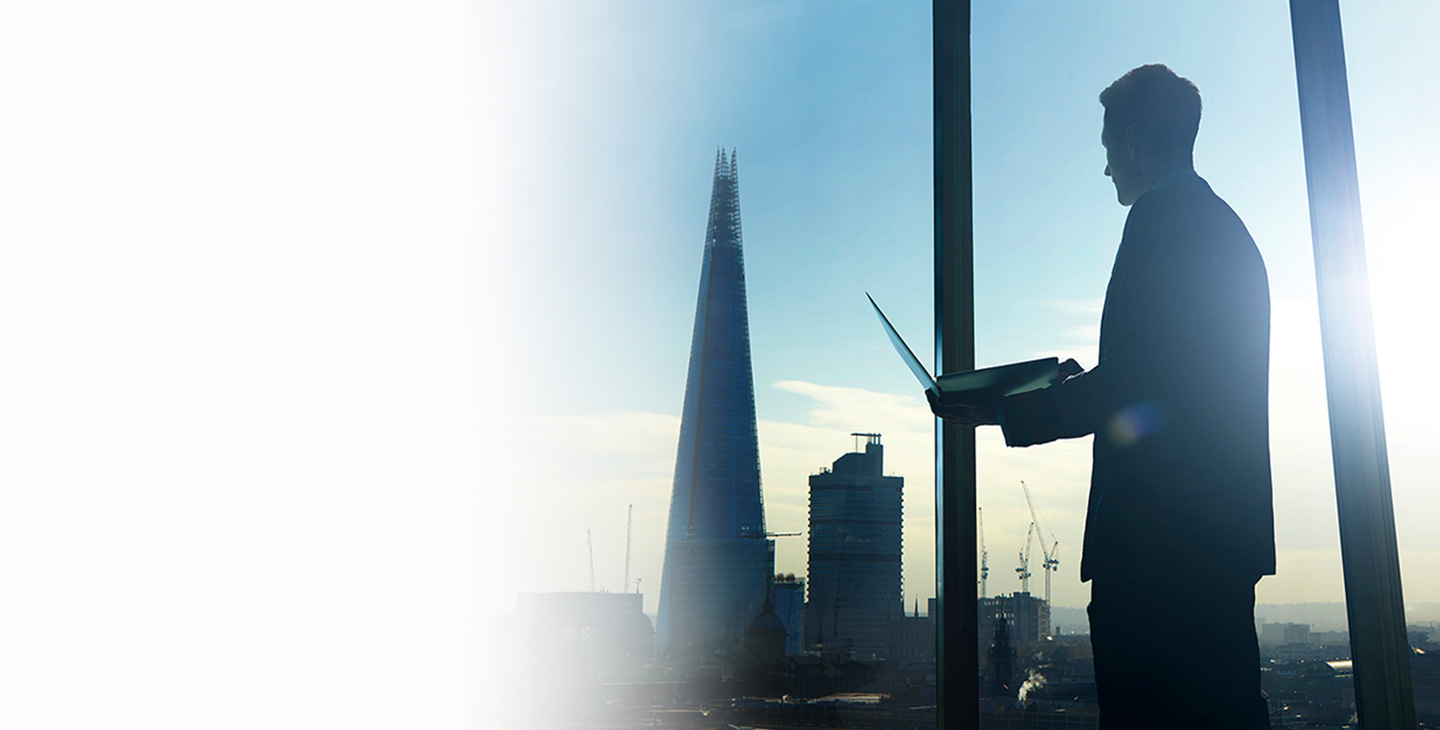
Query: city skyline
{"x": 836, "y": 134}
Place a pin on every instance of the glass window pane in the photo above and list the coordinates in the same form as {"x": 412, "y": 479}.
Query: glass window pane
{"x": 1393, "y": 74}
{"x": 1047, "y": 231}
{"x": 698, "y": 198}
{"x": 606, "y": 124}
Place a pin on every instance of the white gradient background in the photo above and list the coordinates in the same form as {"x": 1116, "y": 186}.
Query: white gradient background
{"x": 329, "y": 327}
{"x": 239, "y": 411}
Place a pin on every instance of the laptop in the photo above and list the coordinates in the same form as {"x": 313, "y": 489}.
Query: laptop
{"x": 1002, "y": 379}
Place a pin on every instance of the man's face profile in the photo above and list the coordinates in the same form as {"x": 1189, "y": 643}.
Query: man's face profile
{"x": 1122, "y": 164}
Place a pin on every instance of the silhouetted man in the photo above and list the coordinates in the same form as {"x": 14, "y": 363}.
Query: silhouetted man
{"x": 1180, "y": 524}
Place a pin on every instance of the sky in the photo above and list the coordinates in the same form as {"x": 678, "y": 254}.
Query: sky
{"x": 604, "y": 124}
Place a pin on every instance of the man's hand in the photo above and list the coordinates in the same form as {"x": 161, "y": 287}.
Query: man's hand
{"x": 1068, "y": 370}
{"x": 983, "y": 409}
{"x": 966, "y": 409}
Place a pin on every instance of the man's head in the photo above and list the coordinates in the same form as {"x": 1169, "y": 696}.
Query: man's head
{"x": 1151, "y": 117}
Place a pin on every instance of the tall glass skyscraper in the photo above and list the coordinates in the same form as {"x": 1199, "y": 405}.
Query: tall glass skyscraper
{"x": 718, "y": 559}
{"x": 855, "y": 541}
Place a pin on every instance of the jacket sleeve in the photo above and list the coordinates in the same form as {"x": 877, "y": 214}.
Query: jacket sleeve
{"x": 1065, "y": 410}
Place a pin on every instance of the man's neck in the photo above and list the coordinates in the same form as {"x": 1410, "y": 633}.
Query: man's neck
{"x": 1158, "y": 172}
{"x": 1161, "y": 176}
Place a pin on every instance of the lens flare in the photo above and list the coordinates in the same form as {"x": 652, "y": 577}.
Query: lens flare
{"x": 1136, "y": 422}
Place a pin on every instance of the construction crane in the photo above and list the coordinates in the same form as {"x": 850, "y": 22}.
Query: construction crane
{"x": 629, "y": 523}
{"x": 984, "y": 554}
{"x": 1024, "y": 569}
{"x": 1052, "y": 554}
{"x": 590, "y": 543}
{"x": 763, "y": 535}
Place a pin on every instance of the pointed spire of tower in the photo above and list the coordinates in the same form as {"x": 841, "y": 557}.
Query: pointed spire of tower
{"x": 718, "y": 563}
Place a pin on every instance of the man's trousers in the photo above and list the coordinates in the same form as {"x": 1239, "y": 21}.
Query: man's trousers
{"x": 1176, "y": 650}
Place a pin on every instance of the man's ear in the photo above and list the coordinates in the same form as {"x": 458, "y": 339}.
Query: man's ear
{"x": 1132, "y": 143}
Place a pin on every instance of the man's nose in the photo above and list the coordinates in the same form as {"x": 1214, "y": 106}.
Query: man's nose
{"x": 1107, "y": 171}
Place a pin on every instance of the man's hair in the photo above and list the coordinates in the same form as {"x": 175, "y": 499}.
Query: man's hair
{"x": 1162, "y": 108}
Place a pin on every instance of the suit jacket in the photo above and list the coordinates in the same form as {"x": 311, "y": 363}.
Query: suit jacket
{"x": 1178, "y": 402}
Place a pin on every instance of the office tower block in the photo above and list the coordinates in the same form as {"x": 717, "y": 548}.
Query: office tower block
{"x": 718, "y": 558}
{"x": 1029, "y": 617}
{"x": 854, "y": 573}
{"x": 790, "y": 606}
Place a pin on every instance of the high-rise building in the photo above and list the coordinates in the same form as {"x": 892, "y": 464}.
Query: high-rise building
{"x": 1029, "y": 617}
{"x": 1280, "y": 634}
{"x": 718, "y": 558}
{"x": 854, "y": 568}
{"x": 790, "y": 606}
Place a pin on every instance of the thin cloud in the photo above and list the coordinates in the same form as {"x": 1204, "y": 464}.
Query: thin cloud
{"x": 843, "y": 407}
{"x": 614, "y": 459}
{"x": 1088, "y": 306}
{"x": 1081, "y": 336}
